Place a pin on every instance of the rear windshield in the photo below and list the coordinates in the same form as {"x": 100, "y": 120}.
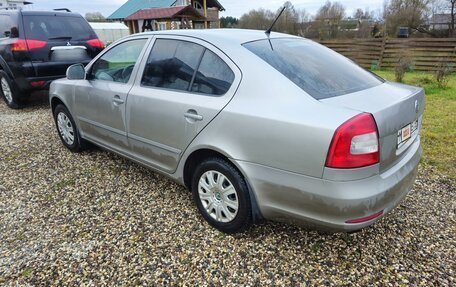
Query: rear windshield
{"x": 57, "y": 28}
{"x": 319, "y": 71}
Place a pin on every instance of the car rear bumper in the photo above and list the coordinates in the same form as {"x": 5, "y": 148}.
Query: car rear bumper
{"x": 36, "y": 83}
{"x": 328, "y": 205}
{"x": 39, "y": 75}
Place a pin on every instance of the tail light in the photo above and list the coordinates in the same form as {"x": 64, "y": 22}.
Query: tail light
{"x": 96, "y": 43}
{"x": 21, "y": 45}
{"x": 355, "y": 144}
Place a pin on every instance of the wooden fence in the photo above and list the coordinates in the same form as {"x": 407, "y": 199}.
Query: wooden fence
{"x": 425, "y": 54}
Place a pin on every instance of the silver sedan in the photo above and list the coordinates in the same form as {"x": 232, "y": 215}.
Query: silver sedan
{"x": 254, "y": 125}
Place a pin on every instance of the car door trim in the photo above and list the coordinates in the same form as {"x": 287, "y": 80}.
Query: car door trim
{"x": 101, "y": 126}
{"x": 156, "y": 144}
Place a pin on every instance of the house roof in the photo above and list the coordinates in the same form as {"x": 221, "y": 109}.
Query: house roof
{"x": 165, "y": 13}
{"x": 131, "y": 6}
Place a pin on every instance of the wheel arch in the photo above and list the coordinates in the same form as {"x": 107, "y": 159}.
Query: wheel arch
{"x": 199, "y": 155}
{"x": 4, "y": 66}
{"x": 55, "y": 101}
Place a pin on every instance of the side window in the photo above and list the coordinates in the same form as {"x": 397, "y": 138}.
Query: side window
{"x": 214, "y": 77}
{"x": 172, "y": 64}
{"x": 7, "y": 28}
{"x": 117, "y": 64}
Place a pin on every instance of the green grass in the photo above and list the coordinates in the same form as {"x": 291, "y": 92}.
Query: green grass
{"x": 439, "y": 122}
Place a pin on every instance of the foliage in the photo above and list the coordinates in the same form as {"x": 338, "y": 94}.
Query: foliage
{"x": 229, "y": 22}
{"x": 292, "y": 21}
{"x": 439, "y": 125}
{"x": 407, "y": 13}
{"x": 375, "y": 65}
{"x": 404, "y": 64}
{"x": 95, "y": 17}
{"x": 259, "y": 19}
{"x": 441, "y": 74}
{"x": 329, "y": 18}
{"x": 330, "y": 21}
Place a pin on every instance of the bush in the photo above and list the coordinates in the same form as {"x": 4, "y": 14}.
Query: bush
{"x": 375, "y": 65}
{"x": 404, "y": 64}
{"x": 442, "y": 72}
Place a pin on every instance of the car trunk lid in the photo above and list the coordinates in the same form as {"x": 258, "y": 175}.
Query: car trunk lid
{"x": 397, "y": 110}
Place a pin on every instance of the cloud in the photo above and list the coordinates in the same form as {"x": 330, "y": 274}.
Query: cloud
{"x": 106, "y": 7}
{"x": 233, "y": 7}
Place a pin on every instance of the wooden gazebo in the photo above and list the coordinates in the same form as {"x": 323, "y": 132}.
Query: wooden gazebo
{"x": 153, "y": 19}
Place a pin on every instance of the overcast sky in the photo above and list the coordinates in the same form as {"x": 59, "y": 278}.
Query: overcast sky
{"x": 233, "y": 7}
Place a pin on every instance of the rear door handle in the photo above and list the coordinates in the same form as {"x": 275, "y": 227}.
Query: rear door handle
{"x": 193, "y": 115}
{"x": 117, "y": 100}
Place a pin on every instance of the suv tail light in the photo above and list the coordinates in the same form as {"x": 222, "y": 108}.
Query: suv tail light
{"x": 355, "y": 143}
{"x": 21, "y": 45}
{"x": 96, "y": 43}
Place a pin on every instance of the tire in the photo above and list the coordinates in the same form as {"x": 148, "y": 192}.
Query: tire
{"x": 229, "y": 211}
{"x": 9, "y": 92}
{"x": 67, "y": 130}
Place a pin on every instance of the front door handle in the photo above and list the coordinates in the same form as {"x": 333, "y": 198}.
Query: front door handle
{"x": 117, "y": 100}
{"x": 193, "y": 115}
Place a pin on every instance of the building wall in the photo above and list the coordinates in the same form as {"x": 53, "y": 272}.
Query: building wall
{"x": 11, "y": 4}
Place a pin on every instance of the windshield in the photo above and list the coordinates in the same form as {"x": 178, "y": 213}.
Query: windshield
{"x": 319, "y": 71}
{"x": 63, "y": 28}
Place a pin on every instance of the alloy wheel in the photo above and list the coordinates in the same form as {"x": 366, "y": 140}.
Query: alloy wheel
{"x": 6, "y": 90}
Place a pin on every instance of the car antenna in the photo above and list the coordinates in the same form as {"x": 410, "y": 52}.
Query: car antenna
{"x": 268, "y": 31}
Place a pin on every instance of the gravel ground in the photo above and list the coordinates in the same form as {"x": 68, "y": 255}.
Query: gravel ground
{"x": 97, "y": 219}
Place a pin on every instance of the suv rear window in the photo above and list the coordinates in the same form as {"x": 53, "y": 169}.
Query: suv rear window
{"x": 319, "y": 71}
{"x": 55, "y": 27}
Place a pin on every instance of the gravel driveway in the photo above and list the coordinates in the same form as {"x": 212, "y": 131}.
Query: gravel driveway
{"x": 97, "y": 219}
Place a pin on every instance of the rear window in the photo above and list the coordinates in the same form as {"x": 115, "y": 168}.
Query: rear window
{"x": 319, "y": 71}
{"x": 57, "y": 27}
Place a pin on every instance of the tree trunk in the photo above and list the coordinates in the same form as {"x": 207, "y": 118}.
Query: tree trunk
{"x": 452, "y": 18}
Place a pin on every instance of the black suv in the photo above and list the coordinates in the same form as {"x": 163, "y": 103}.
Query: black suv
{"x": 37, "y": 47}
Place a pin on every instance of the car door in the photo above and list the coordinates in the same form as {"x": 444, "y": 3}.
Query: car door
{"x": 183, "y": 84}
{"x": 100, "y": 100}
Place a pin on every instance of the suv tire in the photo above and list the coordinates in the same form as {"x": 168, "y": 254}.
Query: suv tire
{"x": 9, "y": 92}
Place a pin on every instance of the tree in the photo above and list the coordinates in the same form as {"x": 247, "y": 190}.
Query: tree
{"x": 229, "y": 22}
{"x": 303, "y": 21}
{"x": 287, "y": 23}
{"x": 95, "y": 17}
{"x": 449, "y": 6}
{"x": 361, "y": 14}
{"x": 329, "y": 18}
{"x": 259, "y": 19}
{"x": 452, "y": 5}
{"x": 407, "y": 13}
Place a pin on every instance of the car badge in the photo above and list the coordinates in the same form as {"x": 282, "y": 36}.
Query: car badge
{"x": 68, "y": 44}
{"x": 417, "y": 106}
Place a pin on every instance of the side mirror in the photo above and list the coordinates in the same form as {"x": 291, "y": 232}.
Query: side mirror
{"x": 76, "y": 72}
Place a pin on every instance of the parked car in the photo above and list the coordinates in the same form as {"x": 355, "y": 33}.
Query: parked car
{"x": 403, "y": 32}
{"x": 37, "y": 47}
{"x": 256, "y": 127}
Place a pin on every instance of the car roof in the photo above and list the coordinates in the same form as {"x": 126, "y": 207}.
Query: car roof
{"x": 49, "y": 13}
{"x": 220, "y": 36}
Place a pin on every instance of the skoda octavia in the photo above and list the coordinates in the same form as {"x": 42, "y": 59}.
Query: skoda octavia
{"x": 255, "y": 125}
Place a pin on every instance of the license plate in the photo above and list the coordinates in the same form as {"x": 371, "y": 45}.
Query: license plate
{"x": 405, "y": 133}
